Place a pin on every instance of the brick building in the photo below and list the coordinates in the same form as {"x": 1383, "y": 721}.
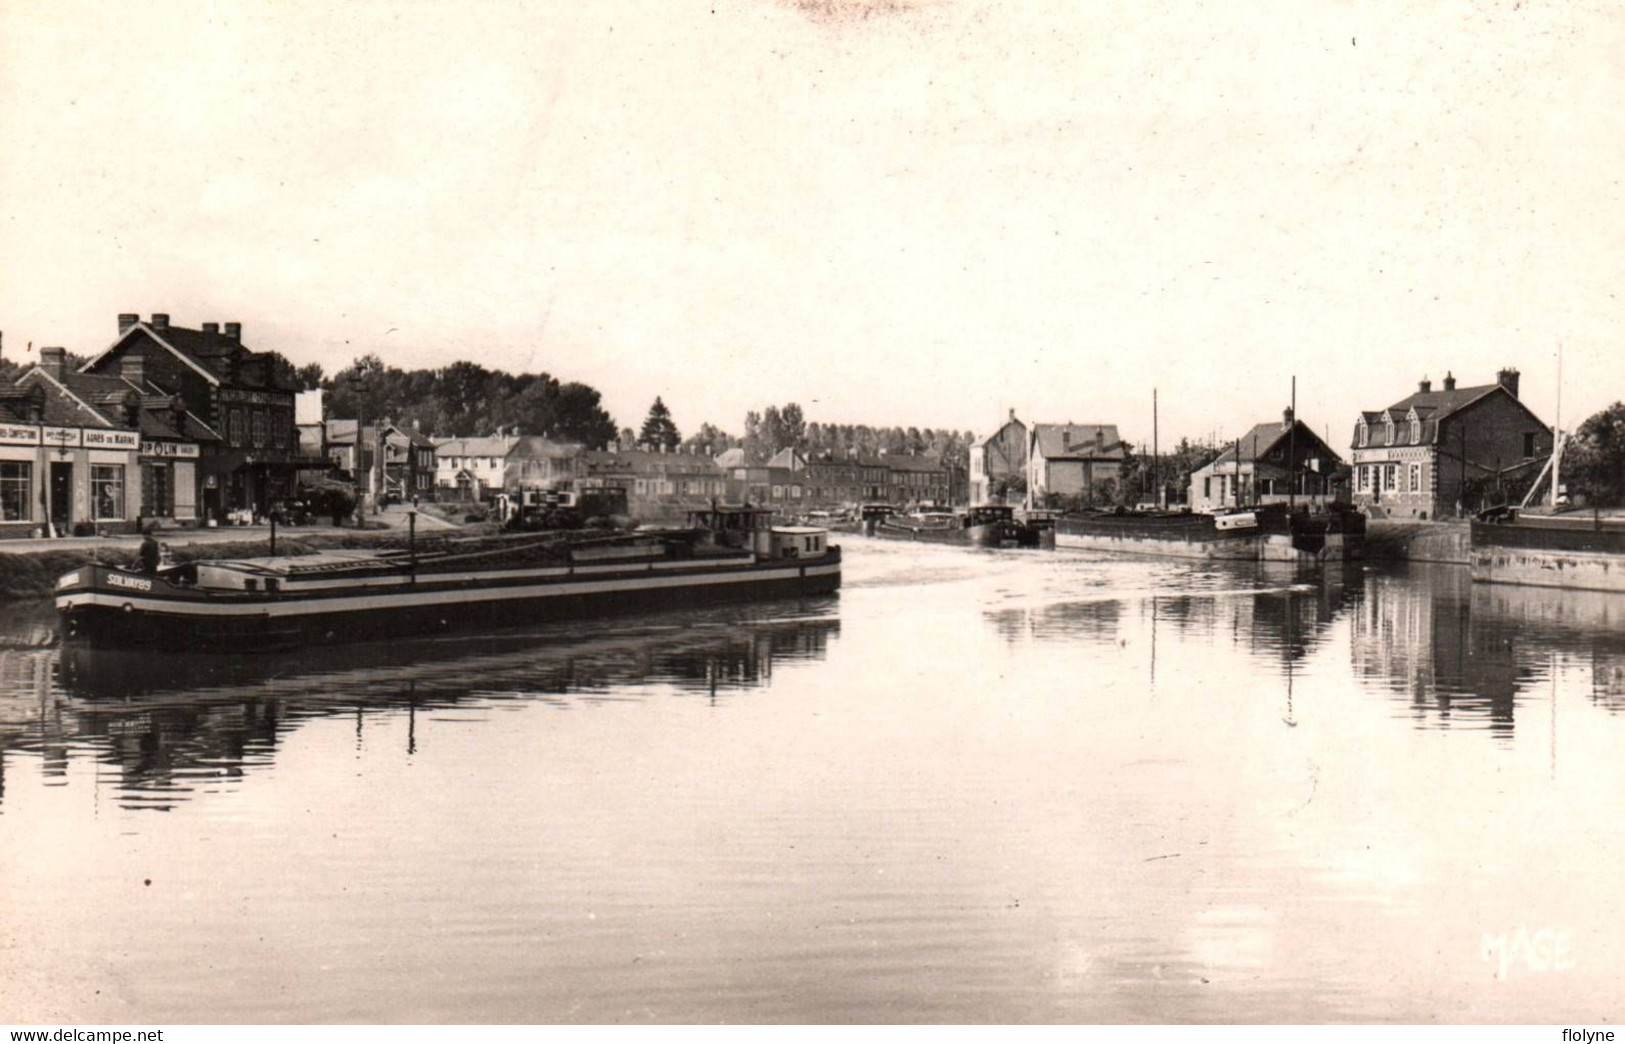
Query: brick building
{"x": 1443, "y": 453}
{"x": 241, "y": 397}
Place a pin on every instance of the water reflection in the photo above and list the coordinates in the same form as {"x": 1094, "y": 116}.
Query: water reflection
{"x": 169, "y": 722}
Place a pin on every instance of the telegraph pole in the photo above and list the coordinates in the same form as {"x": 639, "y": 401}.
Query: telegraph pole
{"x": 1292, "y": 451}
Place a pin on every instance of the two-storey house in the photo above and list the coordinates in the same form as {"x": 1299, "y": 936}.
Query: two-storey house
{"x": 998, "y": 464}
{"x": 1442, "y": 453}
{"x": 1071, "y": 461}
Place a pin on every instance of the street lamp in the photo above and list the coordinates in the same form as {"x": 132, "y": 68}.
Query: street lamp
{"x": 357, "y": 386}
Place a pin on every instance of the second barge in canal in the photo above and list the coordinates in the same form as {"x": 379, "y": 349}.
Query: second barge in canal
{"x": 1266, "y": 533}
{"x": 726, "y": 554}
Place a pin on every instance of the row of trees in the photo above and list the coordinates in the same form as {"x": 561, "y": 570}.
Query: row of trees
{"x": 465, "y": 398}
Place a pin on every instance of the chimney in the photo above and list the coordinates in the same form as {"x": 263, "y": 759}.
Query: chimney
{"x": 53, "y": 361}
{"x": 211, "y": 328}
{"x": 1066, "y": 438}
{"x": 1449, "y": 381}
{"x": 133, "y": 369}
{"x": 1424, "y": 386}
{"x": 160, "y": 320}
{"x": 234, "y": 332}
{"x": 127, "y": 320}
{"x": 1508, "y": 379}
{"x": 1287, "y": 416}
{"x": 1012, "y": 413}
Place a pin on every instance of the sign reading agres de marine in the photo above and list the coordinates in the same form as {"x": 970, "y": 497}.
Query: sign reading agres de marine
{"x": 64, "y": 438}
{"x": 102, "y": 438}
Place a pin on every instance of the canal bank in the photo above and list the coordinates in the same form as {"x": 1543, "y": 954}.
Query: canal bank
{"x": 30, "y": 568}
{"x": 1391, "y": 541}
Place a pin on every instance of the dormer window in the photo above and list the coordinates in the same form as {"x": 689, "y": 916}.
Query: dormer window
{"x": 1388, "y": 430}
{"x": 1364, "y": 434}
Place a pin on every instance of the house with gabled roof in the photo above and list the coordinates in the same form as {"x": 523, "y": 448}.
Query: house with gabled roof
{"x": 1280, "y": 461}
{"x": 164, "y": 484}
{"x": 998, "y": 463}
{"x": 242, "y": 396}
{"x": 1071, "y": 460}
{"x": 66, "y": 465}
{"x": 1446, "y": 452}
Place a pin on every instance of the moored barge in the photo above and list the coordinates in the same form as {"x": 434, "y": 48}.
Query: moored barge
{"x": 1574, "y": 552}
{"x": 1268, "y": 533}
{"x": 986, "y": 525}
{"x": 726, "y": 554}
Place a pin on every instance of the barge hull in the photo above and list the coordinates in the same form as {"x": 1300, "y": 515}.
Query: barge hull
{"x": 118, "y": 618}
{"x": 1575, "y": 570}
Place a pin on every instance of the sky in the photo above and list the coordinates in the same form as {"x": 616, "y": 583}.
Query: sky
{"x": 892, "y": 212}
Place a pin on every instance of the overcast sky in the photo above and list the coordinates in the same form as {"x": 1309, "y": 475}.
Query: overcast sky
{"x": 892, "y": 212}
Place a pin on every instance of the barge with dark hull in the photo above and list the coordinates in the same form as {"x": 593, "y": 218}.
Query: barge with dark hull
{"x": 1573, "y": 551}
{"x": 1266, "y": 533}
{"x": 725, "y": 555}
{"x": 988, "y": 525}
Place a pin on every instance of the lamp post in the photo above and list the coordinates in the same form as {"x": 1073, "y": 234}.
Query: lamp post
{"x": 357, "y": 386}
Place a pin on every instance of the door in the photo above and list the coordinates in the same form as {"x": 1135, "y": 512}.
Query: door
{"x": 62, "y": 496}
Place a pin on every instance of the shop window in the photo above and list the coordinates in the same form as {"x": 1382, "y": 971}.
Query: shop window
{"x": 237, "y": 428}
{"x": 15, "y": 481}
{"x": 107, "y": 492}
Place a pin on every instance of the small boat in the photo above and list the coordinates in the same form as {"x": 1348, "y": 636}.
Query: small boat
{"x": 724, "y": 554}
{"x": 986, "y": 525}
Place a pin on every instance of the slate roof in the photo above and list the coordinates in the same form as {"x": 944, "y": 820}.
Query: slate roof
{"x": 1261, "y": 438}
{"x": 477, "y": 446}
{"x": 1088, "y": 441}
{"x": 1432, "y": 407}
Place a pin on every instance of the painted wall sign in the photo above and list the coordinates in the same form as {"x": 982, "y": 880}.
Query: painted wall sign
{"x": 104, "y": 438}
{"x": 60, "y": 436}
{"x": 258, "y": 398}
{"x": 184, "y": 450}
{"x": 19, "y": 435}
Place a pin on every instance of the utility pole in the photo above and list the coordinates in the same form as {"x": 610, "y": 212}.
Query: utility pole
{"x": 1155, "y": 454}
{"x": 1557, "y": 428}
{"x": 360, "y": 450}
{"x": 1292, "y": 451}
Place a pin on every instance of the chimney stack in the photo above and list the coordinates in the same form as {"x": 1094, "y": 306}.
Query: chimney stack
{"x": 160, "y": 320}
{"x": 211, "y": 328}
{"x": 1508, "y": 379}
{"x": 234, "y": 332}
{"x": 1424, "y": 386}
{"x": 127, "y": 320}
{"x": 53, "y": 361}
{"x": 1449, "y": 381}
{"x": 1287, "y": 416}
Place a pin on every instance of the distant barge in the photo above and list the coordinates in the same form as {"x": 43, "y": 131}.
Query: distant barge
{"x": 1574, "y": 552}
{"x": 987, "y": 525}
{"x": 727, "y": 554}
{"x": 1268, "y": 533}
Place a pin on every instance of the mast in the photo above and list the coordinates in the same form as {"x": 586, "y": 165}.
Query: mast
{"x": 1292, "y": 451}
{"x": 1557, "y": 429}
{"x": 1156, "y": 486}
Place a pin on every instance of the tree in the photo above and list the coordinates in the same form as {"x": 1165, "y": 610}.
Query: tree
{"x": 309, "y": 376}
{"x": 659, "y": 429}
{"x": 1594, "y": 459}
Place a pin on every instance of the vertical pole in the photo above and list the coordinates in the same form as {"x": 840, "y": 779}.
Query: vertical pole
{"x": 1557, "y": 428}
{"x": 360, "y": 451}
{"x": 1156, "y": 458}
{"x": 1461, "y": 443}
{"x": 1292, "y": 452}
{"x": 412, "y": 541}
{"x": 273, "y": 534}
{"x": 1237, "y": 490}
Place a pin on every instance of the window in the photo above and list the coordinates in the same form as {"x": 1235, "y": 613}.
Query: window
{"x": 281, "y": 425}
{"x": 1363, "y": 434}
{"x": 107, "y": 491}
{"x": 260, "y": 433}
{"x": 1529, "y": 444}
{"x": 1416, "y": 431}
{"x": 1390, "y": 477}
{"x": 1207, "y": 488}
{"x": 237, "y": 426}
{"x": 1365, "y": 477}
{"x": 15, "y": 480}
{"x": 1416, "y": 478}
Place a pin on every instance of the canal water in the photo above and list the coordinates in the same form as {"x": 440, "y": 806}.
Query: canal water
{"x": 1014, "y": 786}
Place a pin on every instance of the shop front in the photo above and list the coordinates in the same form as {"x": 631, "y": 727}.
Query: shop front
{"x": 65, "y": 481}
{"x": 169, "y": 481}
